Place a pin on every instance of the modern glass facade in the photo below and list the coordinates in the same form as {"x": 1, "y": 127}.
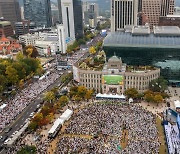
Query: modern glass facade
{"x": 78, "y": 18}
{"x": 163, "y": 52}
{"x": 38, "y": 11}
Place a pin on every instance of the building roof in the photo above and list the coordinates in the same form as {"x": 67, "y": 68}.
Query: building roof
{"x": 3, "y": 38}
{"x": 141, "y": 30}
{"x": 122, "y": 39}
{"x": 114, "y": 59}
{"x": 167, "y": 30}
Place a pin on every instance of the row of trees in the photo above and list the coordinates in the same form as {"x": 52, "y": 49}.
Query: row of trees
{"x": 88, "y": 35}
{"x": 79, "y": 93}
{"x": 149, "y": 96}
{"x": 156, "y": 93}
{"x": 53, "y": 103}
{"x": 14, "y": 72}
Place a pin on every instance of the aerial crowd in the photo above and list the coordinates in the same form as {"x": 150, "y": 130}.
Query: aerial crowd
{"x": 23, "y": 98}
{"x": 105, "y": 124}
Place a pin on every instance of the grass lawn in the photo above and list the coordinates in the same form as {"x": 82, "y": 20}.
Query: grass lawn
{"x": 161, "y": 135}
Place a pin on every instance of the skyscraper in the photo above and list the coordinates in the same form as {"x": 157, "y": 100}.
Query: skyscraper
{"x": 167, "y": 7}
{"x": 153, "y": 9}
{"x": 78, "y": 18}
{"x": 70, "y": 14}
{"x": 68, "y": 19}
{"x": 123, "y": 12}
{"x": 9, "y": 10}
{"x": 38, "y": 11}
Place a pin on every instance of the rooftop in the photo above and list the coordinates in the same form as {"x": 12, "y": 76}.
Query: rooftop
{"x": 167, "y": 30}
{"x": 164, "y": 37}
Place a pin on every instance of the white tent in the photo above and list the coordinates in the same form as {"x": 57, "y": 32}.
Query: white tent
{"x": 66, "y": 115}
{"x": 110, "y": 96}
{"x": 56, "y": 124}
{"x": 177, "y": 104}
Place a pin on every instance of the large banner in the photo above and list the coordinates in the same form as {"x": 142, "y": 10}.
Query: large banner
{"x": 112, "y": 79}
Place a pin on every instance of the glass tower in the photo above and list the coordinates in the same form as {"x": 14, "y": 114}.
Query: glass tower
{"x": 38, "y": 11}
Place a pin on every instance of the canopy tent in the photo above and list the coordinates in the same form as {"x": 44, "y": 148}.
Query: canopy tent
{"x": 177, "y": 104}
{"x": 56, "y": 124}
{"x": 66, "y": 115}
{"x": 110, "y": 96}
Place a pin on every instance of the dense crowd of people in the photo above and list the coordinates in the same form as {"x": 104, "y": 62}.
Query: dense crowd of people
{"x": 22, "y": 99}
{"x": 106, "y": 124}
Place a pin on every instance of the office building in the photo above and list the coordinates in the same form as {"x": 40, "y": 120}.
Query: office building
{"x": 24, "y": 27}
{"x": 78, "y": 18}
{"x": 140, "y": 46}
{"x": 62, "y": 41}
{"x": 114, "y": 77}
{"x": 68, "y": 19}
{"x": 152, "y": 9}
{"x": 70, "y": 14}
{"x": 6, "y": 29}
{"x": 10, "y": 11}
{"x": 90, "y": 14}
{"x": 167, "y": 7}
{"x": 123, "y": 12}
{"x": 38, "y": 11}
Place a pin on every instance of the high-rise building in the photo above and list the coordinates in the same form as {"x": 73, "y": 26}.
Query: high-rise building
{"x": 62, "y": 41}
{"x": 70, "y": 14}
{"x": 9, "y": 10}
{"x": 152, "y": 9}
{"x": 167, "y": 7}
{"x": 123, "y": 12}
{"x": 90, "y": 14}
{"x": 38, "y": 11}
{"x": 78, "y": 18}
{"x": 24, "y": 27}
{"x": 68, "y": 19}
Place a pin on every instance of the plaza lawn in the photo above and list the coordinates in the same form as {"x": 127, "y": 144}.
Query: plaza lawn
{"x": 163, "y": 146}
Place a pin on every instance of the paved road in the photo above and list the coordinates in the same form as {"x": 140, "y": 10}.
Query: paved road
{"x": 20, "y": 120}
{"x": 26, "y": 113}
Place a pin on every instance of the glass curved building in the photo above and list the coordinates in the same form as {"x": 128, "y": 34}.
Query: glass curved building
{"x": 141, "y": 47}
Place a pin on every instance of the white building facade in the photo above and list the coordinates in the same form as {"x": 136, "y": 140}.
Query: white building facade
{"x": 68, "y": 20}
{"x": 62, "y": 39}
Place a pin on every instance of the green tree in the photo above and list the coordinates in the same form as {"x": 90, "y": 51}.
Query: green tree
{"x": 89, "y": 94}
{"x": 131, "y": 93}
{"x": 158, "y": 85}
{"x": 33, "y": 125}
{"x": 92, "y": 50}
{"x": 149, "y": 97}
{"x": 63, "y": 100}
{"x": 27, "y": 150}
{"x": 30, "y": 51}
{"x": 158, "y": 99}
{"x": 82, "y": 91}
{"x": 12, "y": 75}
{"x": 49, "y": 96}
